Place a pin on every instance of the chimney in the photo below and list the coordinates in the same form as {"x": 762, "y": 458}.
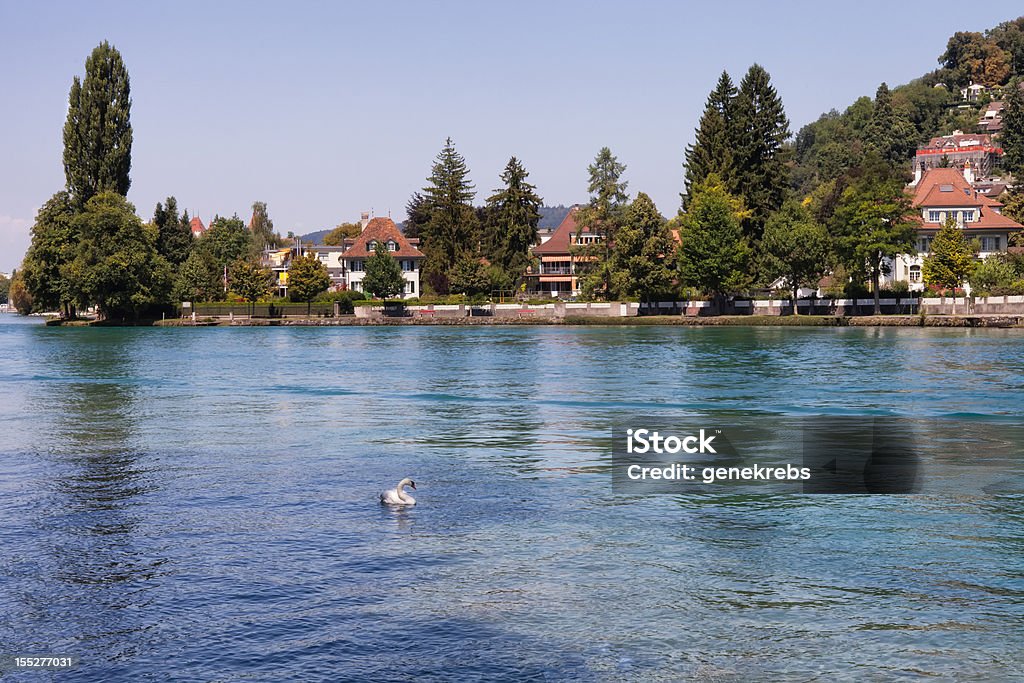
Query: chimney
{"x": 364, "y": 219}
{"x": 968, "y": 172}
{"x": 918, "y": 172}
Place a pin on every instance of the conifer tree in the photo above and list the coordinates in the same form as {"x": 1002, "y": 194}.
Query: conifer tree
{"x": 417, "y": 214}
{"x": 602, "y": 215}
{"x": 98, "y": 130}
{"x": 889, "y": 134}
{"x": 452, "y": 228}
{"x": 712, "y": 149}
{"x": 513, "y": 213}
{"x": 174, "y": 235}
{"x": 643, "y": 252}
{"x": 760, "y": 160}
{"x": 1012, "y": 138}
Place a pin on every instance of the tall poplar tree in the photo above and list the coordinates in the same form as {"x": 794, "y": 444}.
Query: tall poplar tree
{"x": 98, "y": 130}
{"x": 712, "y": 149}
{"x": 452, "y": 229}
{"x": 760, "y": 159}
{"x": 513, "y": 213}
{"x": 602, "y": 215}
{"x": 262, "y": 229}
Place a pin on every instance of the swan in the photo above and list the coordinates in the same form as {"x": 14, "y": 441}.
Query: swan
{"x": 397, "y": 496}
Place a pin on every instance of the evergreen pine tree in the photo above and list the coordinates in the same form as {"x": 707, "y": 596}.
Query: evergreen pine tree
{"x": 417, "y": 214}
{"x": 643, "y": 252}
{"x": 889, "y": 134}
{"x": 712, "y": 149}
{"x": 98, "y": 130}
{"x": 1012, "y": 138}
{"x": 174, "y": 236}
{"x": 452, "y": 228}
{"x": 602, "y": 215}
{"x": 760, "y": 160}
{"x": 513, "y": 213}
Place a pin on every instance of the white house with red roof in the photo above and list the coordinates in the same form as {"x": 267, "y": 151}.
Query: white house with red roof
{"x": 383, "y": 231}
{"x": 945, "y": 192}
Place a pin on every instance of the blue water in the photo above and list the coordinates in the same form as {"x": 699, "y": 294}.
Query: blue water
{"x": 199, "y": 504}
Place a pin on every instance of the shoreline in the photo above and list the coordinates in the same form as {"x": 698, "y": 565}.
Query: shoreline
{"x": 955, "y": 321}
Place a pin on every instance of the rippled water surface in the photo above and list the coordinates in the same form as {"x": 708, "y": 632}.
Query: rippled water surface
{"x": 199, "y": 504}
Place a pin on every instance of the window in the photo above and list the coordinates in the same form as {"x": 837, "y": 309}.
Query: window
{"x": 924, "y": 244}
{"x": 968, "y": 216}
{"x": 934, "y": 216}
{"x": 410, "y": 287}
{"x": 408, "y": 266}
{"x": 355, "y": 266}
{"x": 392, "y": 246}
{"x": 915, "y": 273}
{"x": 990, "y": 244}
{"x": 371, "y": 245}
{"x": 357, "y": 286}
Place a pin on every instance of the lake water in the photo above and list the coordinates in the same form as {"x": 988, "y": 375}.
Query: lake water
{"x": 200, "y": 504}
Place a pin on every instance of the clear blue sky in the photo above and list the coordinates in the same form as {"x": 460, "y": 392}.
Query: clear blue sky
{"x": 325, "y": 109}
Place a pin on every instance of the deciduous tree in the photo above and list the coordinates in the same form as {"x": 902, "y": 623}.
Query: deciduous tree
{"x": 643, "y": 252}
{"x": 55, "y": 239}
{"x": 383, "y": 276}
{"x": 250, "y": 281}
{"x": 951, "y": 260}
{"x": 795, "y": 247}
{"x": 98, "y": 130}
{"x": 307, "y": 279}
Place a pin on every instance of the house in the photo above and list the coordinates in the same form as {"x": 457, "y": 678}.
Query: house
{"x": 555, "y": 274}
{"x": 333, "y": 259}
{"x": 957, "y": 150}
{"x": 991, "y": 120}
{"x": 382, "y": 231}
{"x": 973, "y": 92}
{"x": 197, "y": 227}
{"x": 944, "y": 192}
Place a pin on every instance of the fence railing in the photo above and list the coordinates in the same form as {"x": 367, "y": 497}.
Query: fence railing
{"x": 263, "y": 310}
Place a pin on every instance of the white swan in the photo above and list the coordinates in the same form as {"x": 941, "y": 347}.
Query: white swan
{"x": 397, "y": 496}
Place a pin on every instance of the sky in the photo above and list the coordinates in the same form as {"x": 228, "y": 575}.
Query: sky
{"x": 326, "y": 109}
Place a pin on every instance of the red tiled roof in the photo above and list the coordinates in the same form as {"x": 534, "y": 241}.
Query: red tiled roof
{"x": 958, "y": 194}
{"x": 382, "y": 229}
{"x": 562, "y": 237}
{"x": 196, "y": 225}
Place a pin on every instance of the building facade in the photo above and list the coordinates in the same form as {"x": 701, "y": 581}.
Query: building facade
{"x": 948, "y": 192}
{"x": 554, "y": 274}
{"x": 383, "y": 231}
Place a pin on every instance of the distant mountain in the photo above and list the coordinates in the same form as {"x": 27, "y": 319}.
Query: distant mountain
{"x": 314, "y": 237}
{"x": 552, "y": 216}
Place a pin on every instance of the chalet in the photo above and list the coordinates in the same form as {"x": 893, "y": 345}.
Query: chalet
{"x": 945, "y": 192}
{"x": 382, "y": 231}
{"x": 555, "y": 274}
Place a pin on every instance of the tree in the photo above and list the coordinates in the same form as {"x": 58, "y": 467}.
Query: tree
{"x": 226, "y": 241}
{"x": 262, "y": 229}
{"x": 760, "y": 159}
{"x": 5, "y": 289}
{"x": 643, "y": 252}
{"x": 98, "y": 130}
{"x": 45, "y": 273}
{"x": 250, "y": 281}
{"x": 871, "y": 222}
{"x": 337, "y": 237}
{"x": 20, "y": 297}
{"x": 417, "y": 215}
{"x": 470, "y": 276}
{"x": 888, "y": 134}
{"x": 712, "y": 149}
{"x": 174, "y": 235}
{"x": 1012, "y": 138}
{"x": 951, "y": 261}
{"x": 795, "y": 247}
{"x": 713, "y": 252}
{"x": 513, "y": 213}
{"x": 307, "y": 279}
{"x": 199, "y": 279}
{"x": 452, "y": 228}
{"x": 117, "y": 266}
{"x": 383, "y": 277}
{"x": 602, "y": 215}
